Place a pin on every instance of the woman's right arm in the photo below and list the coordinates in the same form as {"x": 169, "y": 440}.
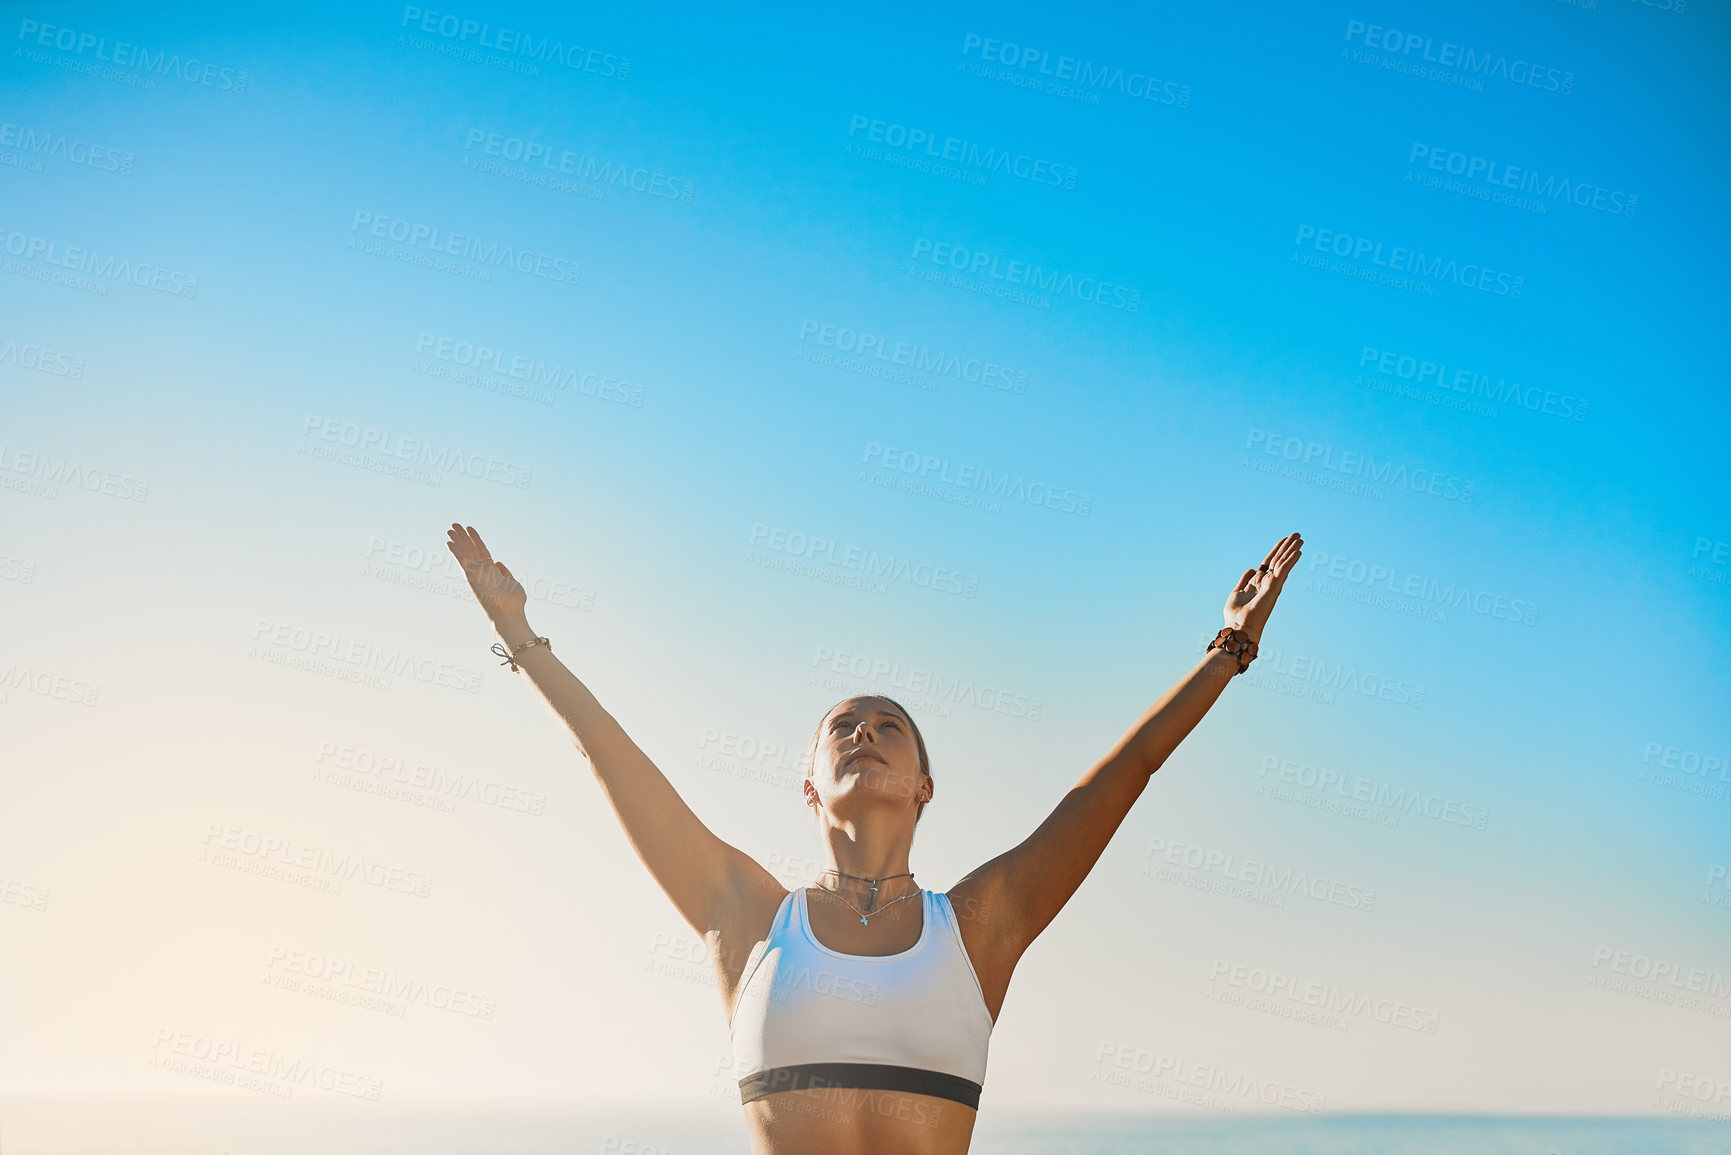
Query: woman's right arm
{"x": 703, "y": 875}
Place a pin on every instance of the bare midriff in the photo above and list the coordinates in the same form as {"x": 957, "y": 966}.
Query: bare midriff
{"x": 857, "y": 1121}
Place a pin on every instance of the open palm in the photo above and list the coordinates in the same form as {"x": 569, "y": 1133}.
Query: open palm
{"x": 1252, "y": 600}
{"x": 500, "y": 594}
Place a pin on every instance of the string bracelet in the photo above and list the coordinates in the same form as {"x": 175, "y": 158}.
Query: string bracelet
{"x": 510, "y": 655}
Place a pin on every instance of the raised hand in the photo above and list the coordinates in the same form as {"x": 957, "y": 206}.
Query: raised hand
{"x": 500, "y": 594}
{"x": 1250, "y": 603}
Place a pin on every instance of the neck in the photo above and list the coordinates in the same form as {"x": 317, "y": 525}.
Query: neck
{"x": 869, "y": 848}
{"x": 868, "y": 883}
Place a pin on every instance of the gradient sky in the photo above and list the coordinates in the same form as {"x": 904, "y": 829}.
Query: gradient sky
{"x": 154, "y": 707}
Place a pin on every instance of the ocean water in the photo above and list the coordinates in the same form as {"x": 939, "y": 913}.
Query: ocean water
{"x": 1354, "y": 1135}
{"x": 91, "y": 1126}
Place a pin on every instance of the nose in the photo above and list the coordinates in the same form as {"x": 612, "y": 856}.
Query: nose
{"x": 862, "y": 730}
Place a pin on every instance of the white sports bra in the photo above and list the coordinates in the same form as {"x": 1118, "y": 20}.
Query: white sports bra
{"x": 808, "y": 1016}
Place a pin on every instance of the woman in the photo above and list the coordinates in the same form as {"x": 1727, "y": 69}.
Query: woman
{"x": 861, "y": 1008}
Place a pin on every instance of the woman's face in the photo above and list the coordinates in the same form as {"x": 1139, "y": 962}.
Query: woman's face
{"x": 866, "y": 753}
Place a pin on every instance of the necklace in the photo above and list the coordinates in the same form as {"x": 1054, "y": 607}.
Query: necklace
{"x": 872, "y": 898}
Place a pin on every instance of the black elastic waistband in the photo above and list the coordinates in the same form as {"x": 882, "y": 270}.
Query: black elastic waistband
{"x": 868, "y": 1076}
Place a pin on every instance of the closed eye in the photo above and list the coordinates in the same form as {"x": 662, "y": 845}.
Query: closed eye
{"x": 844, "y": 721}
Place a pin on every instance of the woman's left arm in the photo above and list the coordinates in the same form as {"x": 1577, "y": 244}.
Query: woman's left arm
{"x": 1018, "y": 893}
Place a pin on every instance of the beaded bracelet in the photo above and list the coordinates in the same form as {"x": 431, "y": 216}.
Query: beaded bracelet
{"x": 510, "y": 655}
{"x": 1238, "y": 644}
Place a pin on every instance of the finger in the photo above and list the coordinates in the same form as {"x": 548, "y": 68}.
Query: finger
{"x": 459, "y": 542}
{"x": 1270, "y": 562}
{"x": 479, "y": 544}
{"x": 504, "y": 569}
{"x": 1245, "y": 582}
{"x": 1283, "y": 562}
{"x": 1289, "y": 558}
{"x": 1283, "y": 553}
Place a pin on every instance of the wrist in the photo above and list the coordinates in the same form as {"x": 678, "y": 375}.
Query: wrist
{"x": 1217, "y": 663}
{"x": 514, "y": 631}
{"x": 1238, "y": 644}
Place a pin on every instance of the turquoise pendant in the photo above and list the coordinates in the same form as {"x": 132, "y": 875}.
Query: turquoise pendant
{"x": 863, "y": 922}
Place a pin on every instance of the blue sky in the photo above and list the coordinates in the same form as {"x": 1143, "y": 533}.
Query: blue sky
{"x": 702, "y": 237}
